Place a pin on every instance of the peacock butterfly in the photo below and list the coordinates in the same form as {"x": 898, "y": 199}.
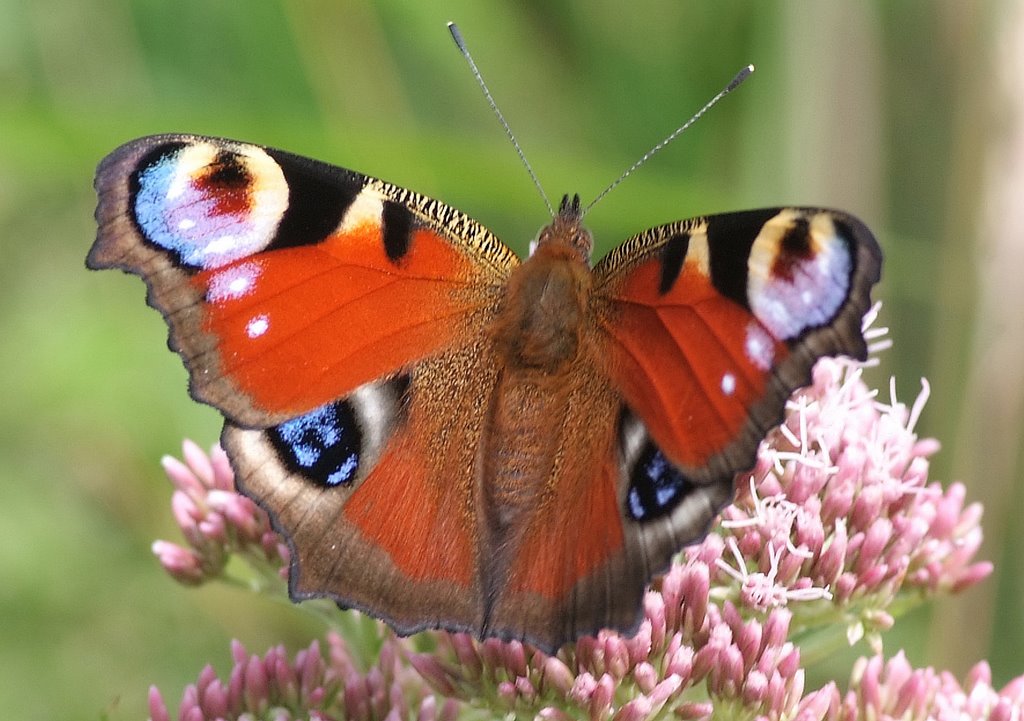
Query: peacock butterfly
{"x": 451, "y": 437}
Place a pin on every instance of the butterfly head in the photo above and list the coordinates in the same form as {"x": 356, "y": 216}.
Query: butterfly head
{"x": 566, "y": 231}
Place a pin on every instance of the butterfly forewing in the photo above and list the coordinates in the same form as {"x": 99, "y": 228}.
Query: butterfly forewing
{"x": 287, "y": 283}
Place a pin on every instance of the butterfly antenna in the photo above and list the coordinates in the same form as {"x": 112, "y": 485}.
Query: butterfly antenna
{"x": 740, "y": 77}
{"x": 457, "y": 36}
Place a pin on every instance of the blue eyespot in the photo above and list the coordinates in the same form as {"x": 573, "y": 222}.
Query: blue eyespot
{"x": 208, "y": 204}
{"x": 656, "y": 486}
{"x": 323, "y": 445}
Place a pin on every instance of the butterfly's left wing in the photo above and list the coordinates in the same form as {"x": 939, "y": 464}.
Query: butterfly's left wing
{"x": 337, "y": 321}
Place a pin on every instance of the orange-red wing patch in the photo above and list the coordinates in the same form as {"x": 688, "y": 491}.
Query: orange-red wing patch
{"x": 689, "y": 362}
{"x": 416, "y": 520}
{"x": 298, "y": 327}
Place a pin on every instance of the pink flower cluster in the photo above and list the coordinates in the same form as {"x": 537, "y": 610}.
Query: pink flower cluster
{"x": 836, "y": 522}
{"x": 313, "y": 686}
{"x": 894, "y": 689}
{"x": 688, "y": 657}
{"x": 839, "y": 511}
{"x": 215, "y": 520}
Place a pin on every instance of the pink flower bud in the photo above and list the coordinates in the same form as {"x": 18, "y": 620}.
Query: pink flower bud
{"x": 696, "y": 585}
{"x": 638, "y": 709}
{"x": 601, "y": 699}
{"x": 755, "y": 688}
{"x": 583, "y": 688}
{"x": 182, "y": 564}
{"x": 646, "y": 676}
{"x": 776, "y": 628}
{"x": 514, "y": 657}
{"x": 775, "y": 694}
{"x": 810, "y": 532}
{"x": 1004, "y": 711}
{"x": 696, "y": 711}
{"x": 616, "y": 656}
{"x": 182, "y": 477}
{"x": 680, "y": 663}
{"x": 256, "y": 688}
{"x": 878, "y": 534}
{"x": 789, "y": 661}
{"x": 726, "y": 677}
{"x": 838, "y": 499}
{"x": 214, "y": 700}
{"x": 971, "y": 575}
{"x": 185, "y": 510}
{"x": 507, "y": 693}
{"x": 157, "y": 707}
{"x": 555, "y": 675}
{"x": 748, "y": 641}
{"x": 198, "y": 461}
{"x": 431, "y": 669}
{"x": 639, "y": 646}
{"x": 223, "y": 474}
{"x": 213, "y": 529}
{"x": 815, "y": 706}
{"x": 655, "y": 619}
{"x": 526, "y": 689}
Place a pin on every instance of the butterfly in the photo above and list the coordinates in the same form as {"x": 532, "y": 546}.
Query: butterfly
{"x": 449, "y": 436}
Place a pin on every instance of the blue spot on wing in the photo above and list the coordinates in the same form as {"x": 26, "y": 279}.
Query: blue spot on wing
{"x": 655, "y": 485}
{"x": 154, "y": 181}
{"x": 323, "y": 445}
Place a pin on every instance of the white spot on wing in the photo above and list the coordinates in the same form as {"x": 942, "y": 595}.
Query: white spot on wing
{"x": 758, "y": 346}
{"x": 728, "y": 384}
{"x": 257, "y": 326}
{"x": 222, "y": 246}
{"x": 234, "y": 282}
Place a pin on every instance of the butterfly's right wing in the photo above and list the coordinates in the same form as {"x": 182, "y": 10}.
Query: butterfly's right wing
{"x": 707, "y": 326}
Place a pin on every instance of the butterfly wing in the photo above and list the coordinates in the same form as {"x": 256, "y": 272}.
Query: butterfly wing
{"x": 336, "y": 321}
{"x": 708, "y": 325}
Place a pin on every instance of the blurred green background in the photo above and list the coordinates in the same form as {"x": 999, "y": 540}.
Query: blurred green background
{"x": 909, "y": 114}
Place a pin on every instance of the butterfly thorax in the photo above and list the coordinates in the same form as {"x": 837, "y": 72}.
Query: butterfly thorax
{"x": 541, "y": 321}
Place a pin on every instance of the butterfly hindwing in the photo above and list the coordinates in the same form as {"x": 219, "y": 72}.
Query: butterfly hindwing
{"x": 388, "y": 527}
